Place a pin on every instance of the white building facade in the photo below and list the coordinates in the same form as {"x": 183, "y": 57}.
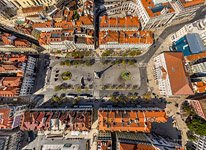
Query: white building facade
{"x": 32, "y": 3}
{"x": 29, "y": 77}
{"x": 161, "y": 75}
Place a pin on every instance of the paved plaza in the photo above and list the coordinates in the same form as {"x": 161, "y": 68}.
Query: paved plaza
{"x": 84, "y": 81}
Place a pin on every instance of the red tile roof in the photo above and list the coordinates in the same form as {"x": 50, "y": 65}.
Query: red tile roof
{"x": 179, "y": 80}
{"x": 4, "y": 68}
{"x": 9, "y": 92}
{"x": 126, "y": 22}
{"x": 75, "y": 121}
{"x": 32, "y": 9}
{"x": 5, "y": 119}
{"x": 11, "y": 81}
{"x": 192, "y": 3}
{"x": 199, "y": 87}
{"x": 127, "y": 120}
{"x": 194, "y": 57}
{"x": 149, "y": 4}
{"x": 125, "y": 37}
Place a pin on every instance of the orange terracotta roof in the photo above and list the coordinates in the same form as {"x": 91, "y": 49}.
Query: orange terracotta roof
{"x": 5, "y": 120}
{"x": 129, "y": 120}
{"x": 145, "y": 147}
{"x": 72, "y": 120}
{"x": 124, "y": 146}
{"x": 128, "y": 21}
{"x": 68, "y": 14}
{"x": 32, "y": 9}
{"x": 64, "y": 24}
{"x": 42, "y": 24}
{"x": 199, "y": 87}
{"x": 89, "y": 41}
{"x": 125, "y": 37}
{"x": 18, "y": 58}
{"x": 4, "y": 68}
{"x": 105, "y": 145}
{"x": 195, "y": 56}
{"x": 9, "y": 92}
{"x": 179, "y": 80}
{"x": 11, "y": 81}
{"x": 149, "y": 5}
{"x": 84, "y": 20}
{"x": 191, "y": 3}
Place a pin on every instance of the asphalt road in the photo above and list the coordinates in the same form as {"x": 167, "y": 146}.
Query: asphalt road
{"x": 145, "y": 58}
{"x": 169, "y": 30}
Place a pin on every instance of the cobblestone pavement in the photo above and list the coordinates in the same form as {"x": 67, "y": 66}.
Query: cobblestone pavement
{"x": 174, "y": 112}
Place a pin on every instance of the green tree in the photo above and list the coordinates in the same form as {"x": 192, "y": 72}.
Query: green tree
{"x": 57, "y": 88}
{"x": 62, "y": 63}
{"x": 56, "y": 99}
{"x": 75, "y": 15}
{"x": 197, "y": 125}
{"x": 66, "y": 75}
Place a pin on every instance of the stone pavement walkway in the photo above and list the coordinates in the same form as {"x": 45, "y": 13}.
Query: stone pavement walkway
{"x": 173, "y": 111}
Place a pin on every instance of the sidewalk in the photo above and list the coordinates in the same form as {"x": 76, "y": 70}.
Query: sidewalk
{"x": 173, "y": 111}
{"x": 150, "y": 67}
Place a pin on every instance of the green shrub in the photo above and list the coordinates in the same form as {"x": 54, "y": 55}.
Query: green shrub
{"x": 66, "y": 75}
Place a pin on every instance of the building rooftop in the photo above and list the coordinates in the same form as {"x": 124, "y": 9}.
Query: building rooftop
{"x": 11, "y": 139}
{"x": 4, "y": 68}
{"x": 32, "y": 9}
{"x": 11, "y": 81}
{"x": 129, "y": 120}
{"x": 59, "y": 120}
{"x": 12, "y": 70}
{"x": 10, "y": 116}
{"x": 179, "y": 79}
{"x": 189, "y": 44}
{"x": 85, "y": 20}
{"x": 117, "y": 22}
{"x": 194, "y": 57}
{"x": 125, "y": 37}
{"x": 104, "y": 141}
{"x": 199, "y": 87}
{"x": 203, "y": 105}
{"x": 5, "y": 118}
{"x": 156, "y": 8}
{"x": 189, "y": 3}
{"x": 127, "y": 140}
{"x": 199, "y": 107}
{"x": 44, "y": 143}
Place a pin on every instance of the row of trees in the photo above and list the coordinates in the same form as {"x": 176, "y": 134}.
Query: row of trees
{"x": 88, "y": 62}
{"x": 61, "y": 99}
{"x": 126, "y": 53}
{"x": 66, "y": 86}
{"x": 119, "y": 86}
{"x": 117, "y": 97}
{"x": 119, "y": 61}
{"x": 79, "y": 54}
